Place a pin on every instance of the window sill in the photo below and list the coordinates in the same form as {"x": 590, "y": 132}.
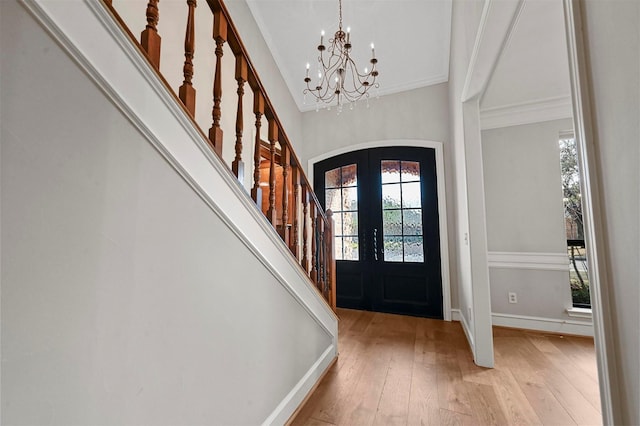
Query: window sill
{"x": 579, "y": 312}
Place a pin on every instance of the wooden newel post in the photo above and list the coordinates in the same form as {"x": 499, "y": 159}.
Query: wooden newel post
{"x": 272, "y": 213}
{"x": 241, "y": 77}
{"x": 220, "y": 36}
{"x": 331, "y": 259}
{"x": 186, "y": 92}
{"x": 150, "y": 39}
{"x": 258, "y": 110}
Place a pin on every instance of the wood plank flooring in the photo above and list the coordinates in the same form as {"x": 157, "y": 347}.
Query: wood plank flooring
{"x": 398, "y": 370}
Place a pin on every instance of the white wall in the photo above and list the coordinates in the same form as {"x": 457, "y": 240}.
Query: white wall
{"x": 523, "y": 187}
{"x": 525, "y": 218}
{"x": 128, "y": 297}
{"x": 613, "y": 48}
{"x": 414, "y": 114}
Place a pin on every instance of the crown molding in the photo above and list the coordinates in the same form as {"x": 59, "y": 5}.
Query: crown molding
{"x": 537, "y": 111}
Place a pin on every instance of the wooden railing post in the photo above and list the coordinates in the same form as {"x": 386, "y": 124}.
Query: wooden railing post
{"x": 150, "y": 39}
{"x": 237, "y": 166}
{"x": 186, "y": 92}
{"x": 258, "y": 109}
{"x": 220, "y": 36}
{"x": 285, "y": 159}
{"x": 314, "y": 237}
{"x": 320, "y": 254}
{"x": 331, "y": 260}
{"x": 316, "y": 256}
{"x": 272, "y": 214}
{"x": 305, "y": 230}
{"x": 295, "y": 244}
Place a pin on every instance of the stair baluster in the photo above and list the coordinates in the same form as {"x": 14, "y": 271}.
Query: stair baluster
{"x": 241, "y": 77}
{"x": 150, "y": 39}
{"x": 187, "y": 93}
{"x": 220, "y": 36}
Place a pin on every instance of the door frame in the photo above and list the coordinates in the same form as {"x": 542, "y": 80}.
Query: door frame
{"x": 495, "y": 28}
{"x": 442, "y": 202}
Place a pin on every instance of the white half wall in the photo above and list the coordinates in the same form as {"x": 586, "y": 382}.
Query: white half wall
{"x": 139, "y": 285}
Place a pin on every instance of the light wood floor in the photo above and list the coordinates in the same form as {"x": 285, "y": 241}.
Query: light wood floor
{"x": 397, "y": 370}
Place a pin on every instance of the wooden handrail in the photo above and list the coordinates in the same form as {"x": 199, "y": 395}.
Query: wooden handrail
{"x": 312, "y": 246}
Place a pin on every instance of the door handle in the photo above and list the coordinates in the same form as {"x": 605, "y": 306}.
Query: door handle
{"x": 375, "y": 243}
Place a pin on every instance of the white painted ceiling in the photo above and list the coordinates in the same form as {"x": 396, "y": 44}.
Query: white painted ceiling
{"x": 411, "y": 38}
{"x": 534, "y": 66}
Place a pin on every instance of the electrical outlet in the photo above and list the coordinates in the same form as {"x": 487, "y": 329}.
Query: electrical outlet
{"x": 513, "y": 298}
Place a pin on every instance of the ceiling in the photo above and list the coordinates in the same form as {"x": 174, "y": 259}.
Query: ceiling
{"x": 411, "y": 38}
{"x": 533, "y": 67}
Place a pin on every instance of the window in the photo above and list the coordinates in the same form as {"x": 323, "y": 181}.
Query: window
{"x": 341, "y": 196}
{"x": 572, "y": 200}
{"x": 402, "y": 211}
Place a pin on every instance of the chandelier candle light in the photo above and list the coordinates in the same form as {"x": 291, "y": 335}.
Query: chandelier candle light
{"x": 338, "y": 77}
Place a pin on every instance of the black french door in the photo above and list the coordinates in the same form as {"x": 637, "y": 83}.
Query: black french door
{"x": 387, "y": 242}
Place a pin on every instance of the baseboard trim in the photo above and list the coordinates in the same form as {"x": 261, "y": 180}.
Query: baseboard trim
{"x": 284, "y": 412}
{"x": 456, "y": 315}
{"x": 551, "y": 325}
{"x": 293, "y": 416}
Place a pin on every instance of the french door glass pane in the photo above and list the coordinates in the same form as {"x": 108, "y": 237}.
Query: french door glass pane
{"x": 413, "y": 250}
{"x": 411, "y": 195}
{"x": 341, "y": 196}
{"x": 338, "y": 221}
{"x": 410, "y": 171}
{"x": 350, "y": 248}
{"x": 392, "y": 222}
{"x": 333, "y": 200}
{"x": 350, "y": 223}
{"x": 412, "y": 222}
{"x": 391, "y": 196}
{"x": 337, "y": 247}
{"x": 402, "y": 211}
{"x": 392, "y": 248}
{"x": 332, "y": 178}
{"x": 349, "y": 175}
{"x": 350, "y": 199}
{"x": 390, "y": 171}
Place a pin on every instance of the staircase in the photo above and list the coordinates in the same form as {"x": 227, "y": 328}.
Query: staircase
{"x": 149, "y": 281}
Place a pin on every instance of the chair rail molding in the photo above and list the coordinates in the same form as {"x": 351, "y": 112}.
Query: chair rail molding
{"x": 526, "y": 260}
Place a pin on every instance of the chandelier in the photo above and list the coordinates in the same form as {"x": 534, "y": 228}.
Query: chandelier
{"x": 339, "y": 80}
